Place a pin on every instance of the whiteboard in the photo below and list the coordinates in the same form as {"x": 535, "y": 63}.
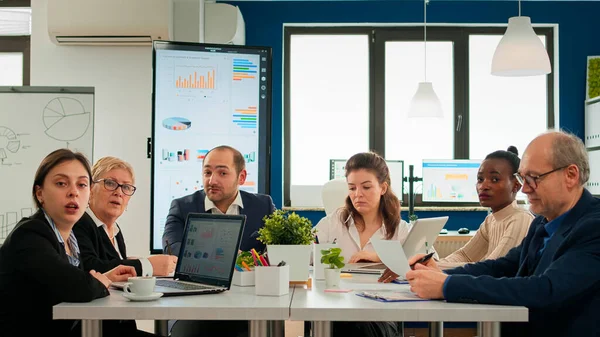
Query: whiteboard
{"x": 35, "y": 121}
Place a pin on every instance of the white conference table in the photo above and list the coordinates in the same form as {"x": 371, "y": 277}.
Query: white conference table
{"x": 322, "y": 308}
{"x": 239, "y": 303}
{"x": 263, "y": 312}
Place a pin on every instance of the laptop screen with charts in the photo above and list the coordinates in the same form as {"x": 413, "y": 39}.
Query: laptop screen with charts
{"x": 207, "y": 256}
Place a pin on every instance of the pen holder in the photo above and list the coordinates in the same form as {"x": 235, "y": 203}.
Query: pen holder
{"x": 243, "y": 278}
{"x": 318, "y": 267}
{"x": 272, "y": 280}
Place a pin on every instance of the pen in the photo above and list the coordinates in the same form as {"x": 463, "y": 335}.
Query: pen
{"x": 246, "y": 266}
{"x": 316, "y": 239}
{"x": 254, "y": 252}
{"x": 422, "y": 260}
{"x": 168, "y": 247}
{"x": 281, "y": 264}
{"x": 238, "y": 268}
{"x": 263, "y": 261}
{"x": 334, "y": 240}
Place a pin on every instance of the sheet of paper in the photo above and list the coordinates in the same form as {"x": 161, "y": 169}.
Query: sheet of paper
{"x": 392, "y": 255}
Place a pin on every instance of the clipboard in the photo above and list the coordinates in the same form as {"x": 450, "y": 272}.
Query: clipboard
{"x": 391, "y": 296}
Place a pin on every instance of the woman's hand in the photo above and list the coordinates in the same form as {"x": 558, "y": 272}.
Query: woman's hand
{"x": 120, "y": 273}
{"x": 364, "y": 256}
{"x": 101, "y": 277}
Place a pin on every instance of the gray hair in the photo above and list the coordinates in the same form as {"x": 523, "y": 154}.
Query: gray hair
{"x": 569, "y": 149}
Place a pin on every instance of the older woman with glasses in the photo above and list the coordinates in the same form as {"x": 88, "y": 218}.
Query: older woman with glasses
{"x": 100, "y": 238}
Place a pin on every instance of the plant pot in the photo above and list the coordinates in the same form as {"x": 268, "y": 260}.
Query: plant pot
{"x": 295, "y": 256}
{"x": 318, "y": 267}
{"x": 332, "y": 278}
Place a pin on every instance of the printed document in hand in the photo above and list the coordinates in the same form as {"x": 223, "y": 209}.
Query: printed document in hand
{"x": 392, "y": 255}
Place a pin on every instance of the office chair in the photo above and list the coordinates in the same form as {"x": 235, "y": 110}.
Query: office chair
{"x": 334, "y": 194}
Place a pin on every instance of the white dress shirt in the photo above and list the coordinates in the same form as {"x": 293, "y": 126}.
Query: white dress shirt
{"x": 233, "y": 209}
{"x": 332, "y": 228}
{"x": 147, "y": 269}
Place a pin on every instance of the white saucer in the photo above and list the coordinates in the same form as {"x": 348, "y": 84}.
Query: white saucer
{"x": 134, "y": 297}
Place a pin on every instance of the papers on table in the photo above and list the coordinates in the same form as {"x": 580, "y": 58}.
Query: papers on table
{"x": 401, "y": 295}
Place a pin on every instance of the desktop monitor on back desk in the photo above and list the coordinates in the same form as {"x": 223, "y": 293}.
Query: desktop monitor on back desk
{"x": 450, "y": 180}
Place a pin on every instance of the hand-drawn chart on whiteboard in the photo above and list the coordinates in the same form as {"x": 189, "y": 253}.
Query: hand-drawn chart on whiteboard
{"x": 35, "y": 121}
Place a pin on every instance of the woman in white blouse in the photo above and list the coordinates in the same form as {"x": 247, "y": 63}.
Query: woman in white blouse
{"x": 372, "y": 211}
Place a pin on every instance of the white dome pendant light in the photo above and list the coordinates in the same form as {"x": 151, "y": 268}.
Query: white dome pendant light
{"x": 520, "y": 51}
{"x": 425, "y": 102}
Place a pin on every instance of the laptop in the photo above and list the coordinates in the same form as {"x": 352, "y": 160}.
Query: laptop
{"x": 425, "y": 230}
{"x": 207, "y": 256}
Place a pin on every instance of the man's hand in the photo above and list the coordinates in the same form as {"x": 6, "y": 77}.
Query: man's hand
{"x": 364, "y": 256}
{"x": 163, "y": 265}
{"x": 426, "y": 282}
{"x": 430, "y": 263}
{"x": 120, "y": 273}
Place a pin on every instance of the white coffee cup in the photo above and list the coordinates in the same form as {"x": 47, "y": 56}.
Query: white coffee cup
{"x": 140, "y": 285}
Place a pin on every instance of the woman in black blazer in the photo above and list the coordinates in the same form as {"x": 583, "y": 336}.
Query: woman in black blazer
{"x": 40, "y": 264}
{"x": 100, "y": 237}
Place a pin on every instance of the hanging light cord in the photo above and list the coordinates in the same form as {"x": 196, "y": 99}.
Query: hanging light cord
{"x": 425, "y": 2}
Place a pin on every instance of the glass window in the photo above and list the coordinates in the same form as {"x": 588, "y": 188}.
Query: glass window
{"x": 11, "y": 69}
{"x": 329, "y": 108}
{"x": 503, "y": 111}
{"x": 414, "y": 139}
{"x": 15, "y": 21}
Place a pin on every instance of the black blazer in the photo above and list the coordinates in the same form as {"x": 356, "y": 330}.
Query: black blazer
{"x": 561, "y": 289}
{"x": 97, "y": 252}
{"x": 35, "y": 274}
{"x": 256, "y": 207}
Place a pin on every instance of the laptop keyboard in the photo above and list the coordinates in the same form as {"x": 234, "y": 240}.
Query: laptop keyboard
{"x": 180, "y": 285}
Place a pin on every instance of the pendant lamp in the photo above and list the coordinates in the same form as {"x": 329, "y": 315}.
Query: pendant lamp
{"x": 520, "y": 51}
{"x": 425, "y": 102}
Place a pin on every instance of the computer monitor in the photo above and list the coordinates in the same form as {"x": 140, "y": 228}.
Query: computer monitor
{"x": 450, "y": 180}
{"x": 206, "y": 95}
{"x": 337, "y": 169}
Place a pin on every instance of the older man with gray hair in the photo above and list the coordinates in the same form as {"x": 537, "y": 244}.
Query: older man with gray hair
{"x": 555, "y": 272}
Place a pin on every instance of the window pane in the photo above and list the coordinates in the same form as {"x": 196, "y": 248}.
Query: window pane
{"x": 329, "y": 107}
{"x": 418, "y": 138}
{"x": 11, "y": 69}
{"x": 15, "y": 21}
{"x": 504, "y": 111}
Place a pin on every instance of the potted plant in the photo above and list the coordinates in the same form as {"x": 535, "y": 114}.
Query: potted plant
{"x": 412, "y": 218}
{"x": 288, "y": 237}
{"x": 332, "y": 258}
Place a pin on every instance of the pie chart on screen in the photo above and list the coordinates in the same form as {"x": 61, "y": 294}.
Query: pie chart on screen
{"x": 177, "y": 123}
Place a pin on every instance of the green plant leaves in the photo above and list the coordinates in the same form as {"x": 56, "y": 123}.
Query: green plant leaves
{"x": 593, "y": 77}
{"x": 332, "y": 258}
{"x": 246, "y": 257}
{"x": 282, "y": 228}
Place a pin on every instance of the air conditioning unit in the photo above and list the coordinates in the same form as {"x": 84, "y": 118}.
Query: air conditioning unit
{"x": 224, "y": 23}
{"x": 109, "y": 22}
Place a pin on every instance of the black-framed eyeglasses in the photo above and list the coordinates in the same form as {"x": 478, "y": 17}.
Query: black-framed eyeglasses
{"x": 531, "y": 180}
{"x": 112, "y": 185}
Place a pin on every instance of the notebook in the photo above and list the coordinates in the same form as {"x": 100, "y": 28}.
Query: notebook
{"x": 207, "y": 256}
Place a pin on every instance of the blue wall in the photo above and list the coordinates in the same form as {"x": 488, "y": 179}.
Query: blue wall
{"x": 578, "y": 38}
